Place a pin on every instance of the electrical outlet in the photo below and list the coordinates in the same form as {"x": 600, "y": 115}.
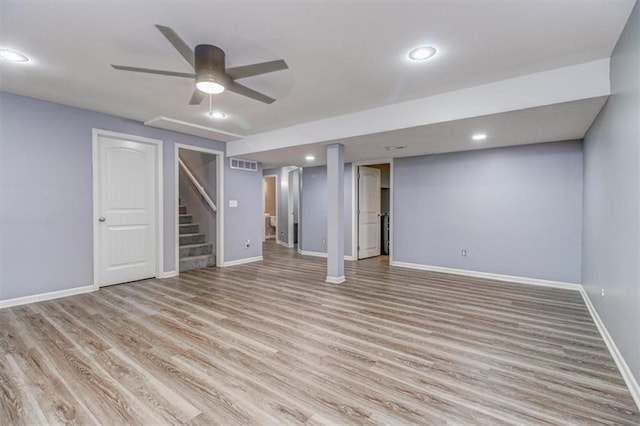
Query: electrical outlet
{"x": 464, "y": 253}
{"x": 247, "y": 243}
{"x": 602, "y": 292}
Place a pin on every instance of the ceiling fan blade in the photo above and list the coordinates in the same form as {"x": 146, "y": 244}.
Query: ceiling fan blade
{"x": 257, "y": 69}
{"x": 249, "y": 93}
{"x": 179, "y": 44}
{"x": 152, "y": 71}
{"x": 196, "y": 98}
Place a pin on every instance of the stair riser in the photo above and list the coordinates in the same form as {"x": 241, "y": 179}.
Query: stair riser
{"x": 192, "y": 239}
{"x": 185, "y": 218}
{"x": 190, "y": 228}
{"x": 195, "y": 251}
{"x": 182, "y": 210}
{"x": 190, "y": 264}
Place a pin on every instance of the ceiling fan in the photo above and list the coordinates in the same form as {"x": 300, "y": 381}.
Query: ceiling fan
{"x": 211, "y": 75}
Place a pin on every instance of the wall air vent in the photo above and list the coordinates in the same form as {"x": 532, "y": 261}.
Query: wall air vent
{"x": 237, "y": 163}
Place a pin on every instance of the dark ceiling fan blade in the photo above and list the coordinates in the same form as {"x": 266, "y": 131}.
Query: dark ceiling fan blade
{"x": 257, "y": 69}
{"x": 179, "y": 44}
{"x": 152, "y": 71}
{"x": 196, "y": 98}
{"x": 249, "y": 93}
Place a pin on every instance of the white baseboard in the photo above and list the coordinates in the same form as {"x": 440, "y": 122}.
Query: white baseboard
{"x": 282, "y": 243}
{"x": 170, "y": 274}
{"x": 489, "y": 275}
{"x": 46, "y": 296}
{"x": 336, "y": 280}
{"x": 241, "y": 261}
{"x": 320, "y": 254}
{"x": 622, "y": 365}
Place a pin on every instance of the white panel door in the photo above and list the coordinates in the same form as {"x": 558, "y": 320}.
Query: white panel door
{"x": 368, "y": 212}
{"x": 126, "y": 214}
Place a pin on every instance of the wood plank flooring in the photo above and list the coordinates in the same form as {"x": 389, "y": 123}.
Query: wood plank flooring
{"x": 272, "y": 343}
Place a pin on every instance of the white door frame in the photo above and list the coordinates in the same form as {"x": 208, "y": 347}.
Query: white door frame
{"x": 290, "y": 221}
{"x": 355, "y": 202}
{"x": 159, "y": 231}
{"x": 277, "y": 195}
{"x": 220, "y": 163}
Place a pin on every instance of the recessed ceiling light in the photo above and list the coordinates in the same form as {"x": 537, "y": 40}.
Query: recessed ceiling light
{"x": 395, "y": 147}
{"x": 309, "y": 158}
{"x": 218, "y": 115}
{"x": 479, "y": 137}
{"x": 422, "y": 53}
{"x": 13, "y": 56}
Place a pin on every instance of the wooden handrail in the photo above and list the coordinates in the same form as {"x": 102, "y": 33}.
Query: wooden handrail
{"x": 199, "y": 187}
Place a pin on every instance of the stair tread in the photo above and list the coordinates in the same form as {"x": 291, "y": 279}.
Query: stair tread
{"x": 202, "y": 256}
{"x": 196, "y": 245}
{"x": 191, "y": 235}
{"x": 189, "y": 224}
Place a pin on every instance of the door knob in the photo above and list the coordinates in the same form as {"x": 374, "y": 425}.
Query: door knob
{"x": 101, "y": 219}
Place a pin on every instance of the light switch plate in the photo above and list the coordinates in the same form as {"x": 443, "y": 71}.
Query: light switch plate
{"x": 233, "y": 203}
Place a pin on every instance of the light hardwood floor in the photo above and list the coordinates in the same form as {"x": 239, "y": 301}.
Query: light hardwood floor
{"x": 272, "y": 343}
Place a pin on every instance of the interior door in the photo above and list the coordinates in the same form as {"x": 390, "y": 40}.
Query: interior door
{"x": 368, "y": 212}
{"x": 126, "y": 246}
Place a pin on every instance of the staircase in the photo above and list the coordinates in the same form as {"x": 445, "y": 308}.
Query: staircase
{"x": 195, "y": 252}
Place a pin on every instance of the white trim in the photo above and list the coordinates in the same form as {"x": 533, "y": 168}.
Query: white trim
{"x": 489, "y": 275}
{"x": 624, "y": 369}
{"x": 170, "y": 274}
{"x": 220, "y": 201}
{"x": 95, "y": 134}
{"x": 355, "y": 200}
{"x": 8, "y": 303}
{"x": 153, "y": 123}
{"x": 282, "y": 243}
{"x": 320, "y": 254}
{"x": 335, "y": 280}
{"x": 290, "y": 206}
{"x": 242, "y": 261}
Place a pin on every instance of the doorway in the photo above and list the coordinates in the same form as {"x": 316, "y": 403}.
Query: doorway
{"x": 269, "y": 203}
{"x": 293, "y": 206}
{"x": 372, "y": 209}
{"x": 199, "y": 229}
{"x": 127, "y": 201}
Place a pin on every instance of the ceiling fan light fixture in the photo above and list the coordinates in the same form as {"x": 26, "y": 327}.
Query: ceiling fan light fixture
{"x": 210, "y": 87}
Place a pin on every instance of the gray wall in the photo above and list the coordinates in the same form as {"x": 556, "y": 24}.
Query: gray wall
{"x": 314, "y": 209}
{"x": 517, "y": 211}
{"x": 46, "y": 215}
{"x": 245, "y": 221}
{"x": 611, "y": 250}
{"x": 203, "y": 167}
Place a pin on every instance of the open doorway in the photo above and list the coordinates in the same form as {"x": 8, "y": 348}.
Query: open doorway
{"x": 269, "y": 202}
{"x": 372, "y": 209}
{"x": 199, "y": 230}
{"x": 293, "y": 206}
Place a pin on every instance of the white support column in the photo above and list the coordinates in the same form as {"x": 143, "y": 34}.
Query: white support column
{"x": 335, "y": 214}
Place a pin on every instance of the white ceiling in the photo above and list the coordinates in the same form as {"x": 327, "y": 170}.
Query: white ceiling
{"x": 343, "y": 56}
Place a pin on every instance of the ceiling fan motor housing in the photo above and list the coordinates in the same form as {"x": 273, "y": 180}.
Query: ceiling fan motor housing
{"x": 210, "y": 64}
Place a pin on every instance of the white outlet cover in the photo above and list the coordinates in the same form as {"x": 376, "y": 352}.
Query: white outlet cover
{"x": 233, "y": 203}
